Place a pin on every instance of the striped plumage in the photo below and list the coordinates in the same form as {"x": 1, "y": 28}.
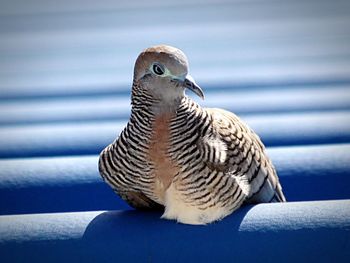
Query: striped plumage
{"x": 199, "y": 164}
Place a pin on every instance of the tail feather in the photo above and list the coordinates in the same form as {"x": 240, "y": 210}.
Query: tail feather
{"x": 268, "y": 193}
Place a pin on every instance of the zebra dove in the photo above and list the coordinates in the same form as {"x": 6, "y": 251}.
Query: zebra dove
{"x": 198, "y": 164}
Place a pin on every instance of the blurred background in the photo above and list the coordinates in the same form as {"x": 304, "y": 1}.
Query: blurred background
{"x": 81, "y": 48}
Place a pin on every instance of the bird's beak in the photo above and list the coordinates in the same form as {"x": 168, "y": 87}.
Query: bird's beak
{"x": 192, "y": 85}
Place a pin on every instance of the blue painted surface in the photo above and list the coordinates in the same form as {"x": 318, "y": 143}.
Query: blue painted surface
{"x": 91, "y": 137}
{"x": 303, "y": 99}
{"x": 292, "y": 232}
{"x": 63, "y": 184}
{"x": 65, "y": 77}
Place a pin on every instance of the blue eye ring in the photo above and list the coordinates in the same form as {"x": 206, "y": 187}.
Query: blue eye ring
{"x": 157, "y": 69}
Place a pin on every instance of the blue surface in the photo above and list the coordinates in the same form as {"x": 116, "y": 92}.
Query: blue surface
{"x": 91, "y": 137}
{"x": 65, "y": 77}
{"x": 291, "y": 232}
{"x": 45, "y": 185}
{"x": 117, "y": 108}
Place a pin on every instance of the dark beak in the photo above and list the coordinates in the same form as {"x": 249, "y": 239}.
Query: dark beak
{"x": 191, "y": 84}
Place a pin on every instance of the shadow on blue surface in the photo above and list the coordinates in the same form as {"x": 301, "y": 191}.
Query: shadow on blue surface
{"x": 294, "y": 232}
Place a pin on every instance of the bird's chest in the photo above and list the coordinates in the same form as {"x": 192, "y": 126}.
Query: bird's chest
{"x": 164, "y": 168}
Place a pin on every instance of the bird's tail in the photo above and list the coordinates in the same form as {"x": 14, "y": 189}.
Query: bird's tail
{"x": 270, "y": 191}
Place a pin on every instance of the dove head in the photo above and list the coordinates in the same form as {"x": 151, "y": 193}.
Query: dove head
{"x": 162, "y": 71}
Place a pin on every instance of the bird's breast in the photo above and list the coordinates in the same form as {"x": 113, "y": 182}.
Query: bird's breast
{"x": 164, "y": 168}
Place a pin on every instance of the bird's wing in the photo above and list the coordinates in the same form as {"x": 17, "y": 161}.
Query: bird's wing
{"x": 113, "y": 171}
{"x": 133, "y": 197}
{"x": 239, "y": 152}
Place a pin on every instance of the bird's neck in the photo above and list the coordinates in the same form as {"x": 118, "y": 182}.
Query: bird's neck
{"x": 155, "y": 103}
{"x": 169, "y": 107}
{"x": 155, "y": 107}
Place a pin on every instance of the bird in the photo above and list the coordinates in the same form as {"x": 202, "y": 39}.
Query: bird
{"x": 197, "y": 165}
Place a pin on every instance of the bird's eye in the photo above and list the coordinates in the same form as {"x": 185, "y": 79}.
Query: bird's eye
{"x": 157, "y": 69}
